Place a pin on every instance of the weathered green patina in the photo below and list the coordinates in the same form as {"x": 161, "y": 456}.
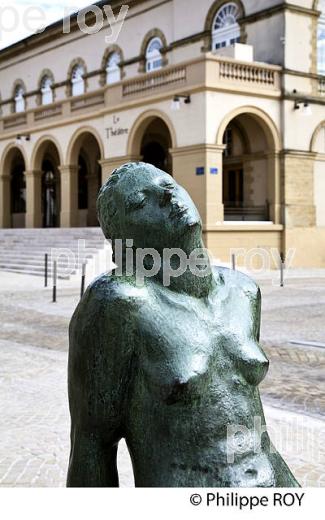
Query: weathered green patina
{"x": 173, "y": 370}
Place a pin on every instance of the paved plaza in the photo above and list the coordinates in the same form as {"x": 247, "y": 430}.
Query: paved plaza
{"x": 34, "y": 428}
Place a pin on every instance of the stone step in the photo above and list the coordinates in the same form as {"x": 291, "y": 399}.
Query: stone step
{"x": 61, "y": 276}
{"x": 52, "y": 243}
{"x": 23, "y": 250}
{"x": 33, "y": 267}
{"x": 54, "y": 232}
{"x": 38, "y": 251}
{"x": 17, "y": 261}
{"x": 49, "y": 240}
{"x": 39, "y": 258}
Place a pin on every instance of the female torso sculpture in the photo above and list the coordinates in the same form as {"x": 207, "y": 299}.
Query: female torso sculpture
{"x": 174, "y": 370}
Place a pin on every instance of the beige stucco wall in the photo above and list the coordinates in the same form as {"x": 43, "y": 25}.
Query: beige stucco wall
{"x": 299, "y": 38}
{"x": 319, "y": 180}
{"x": 252, "y": 246}
{"x": 299, "y": 129}
{"x": 309, "y": 246}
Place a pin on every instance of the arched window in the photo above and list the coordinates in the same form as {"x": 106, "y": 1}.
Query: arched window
{"x": 46, "y": 90}
{"x": 321, "y": 39}
{"x": 77, "y": 80}
{"x": 113, "y": 71}
{"x": 225, "y": 29}
{"x": 153, "y": 55}
{"x": 19, "y": 99}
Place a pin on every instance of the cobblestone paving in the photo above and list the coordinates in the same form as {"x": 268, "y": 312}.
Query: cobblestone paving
{"x": 296, "y": 380}
{"x": 34, "y": 428}
{"x": 34, "y": 433}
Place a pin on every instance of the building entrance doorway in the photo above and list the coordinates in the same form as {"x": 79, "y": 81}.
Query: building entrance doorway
{"x": 86, "y": 153}
{"x": 233, "y": 187}
{"x": 245, "y": 171}
{"x": 154, "y": 153}
{"x": 18, "y": 191}
{"x": 155, "y": 143}
{"x": 49, "y": 196}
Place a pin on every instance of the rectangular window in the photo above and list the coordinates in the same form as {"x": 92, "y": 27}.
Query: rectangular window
{"x": 157, "y": 64}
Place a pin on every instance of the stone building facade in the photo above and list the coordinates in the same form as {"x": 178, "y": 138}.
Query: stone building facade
{"x": 228, "y": 97}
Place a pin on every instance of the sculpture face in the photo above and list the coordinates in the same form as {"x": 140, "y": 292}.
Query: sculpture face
{"x": 154, "y": 210}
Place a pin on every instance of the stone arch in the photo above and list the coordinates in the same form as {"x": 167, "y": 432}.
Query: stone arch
{"x": 110, "y": 50}
{"x": 314, "y": 137}
{"x": 5, "y": 156}
{"x": 76, "y": 61}
{"x": 271, "y": 132}
{"x": 317, "y": 149}
{"x": 84, "y": 155}
{"x": 154, "y": 33}
{"x": 250, "y": 176}
{"x": 138, "y": 128}
{"x": 151, "y": 139}
{"x": 12, "y": 173}
{"x": 46, "y": 161}
{"x": 210, "y": 17}
{"x": 73, "y": 143}
{"x": 39, "y": 148}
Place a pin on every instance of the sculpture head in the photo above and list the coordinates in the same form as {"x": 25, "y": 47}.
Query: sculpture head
{"x": 143, "y": 203}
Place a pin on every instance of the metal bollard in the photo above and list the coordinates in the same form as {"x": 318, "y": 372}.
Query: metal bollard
{"x": 83, "y": 278}
{"x": 54, "y": 280}
{"x": 46, "y": 270}
{"x": 282, "y": 268}
{"x": 233, "y": 262}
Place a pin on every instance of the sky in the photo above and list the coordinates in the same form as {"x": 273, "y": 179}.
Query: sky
{"x": 21, "y": 18}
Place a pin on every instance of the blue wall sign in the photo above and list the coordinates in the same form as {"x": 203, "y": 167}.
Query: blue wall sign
{"x": 214, "y": 171}
{"x": 200, "y": 170}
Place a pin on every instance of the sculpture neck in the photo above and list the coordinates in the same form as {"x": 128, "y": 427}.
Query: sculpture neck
{"x": 183, "y": 269}
{"x": 189, "y": 271}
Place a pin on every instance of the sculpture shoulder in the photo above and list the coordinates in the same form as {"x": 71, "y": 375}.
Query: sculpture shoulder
{"x": 109, "y": 307}
{"x": 101, "y": 351}
{"x": 109, "y": 293}
{"x": 237, "y": 280}
{"x": 104, "y": 325}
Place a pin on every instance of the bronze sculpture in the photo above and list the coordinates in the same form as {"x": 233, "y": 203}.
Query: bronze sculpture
{"x": 174, "y": 370}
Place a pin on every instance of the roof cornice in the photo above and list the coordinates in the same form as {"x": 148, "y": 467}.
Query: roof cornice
{"x": 54, "y": 30}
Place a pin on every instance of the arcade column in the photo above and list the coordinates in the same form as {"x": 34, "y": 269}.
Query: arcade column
{"x": 33, "y": 198}
{"x": 198, "y": 169}
{"x": 69, "y": 196}
{"x": 5, "y": 220}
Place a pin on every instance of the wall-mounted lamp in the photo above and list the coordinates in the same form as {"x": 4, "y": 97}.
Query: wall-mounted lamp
{"x": 304, "y": 107}
{"x": 176, "y": 103}
{"x": 22, "y": 138}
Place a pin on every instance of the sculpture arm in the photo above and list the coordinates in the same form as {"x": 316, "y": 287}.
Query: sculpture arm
{"x": 100, "y": 356}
